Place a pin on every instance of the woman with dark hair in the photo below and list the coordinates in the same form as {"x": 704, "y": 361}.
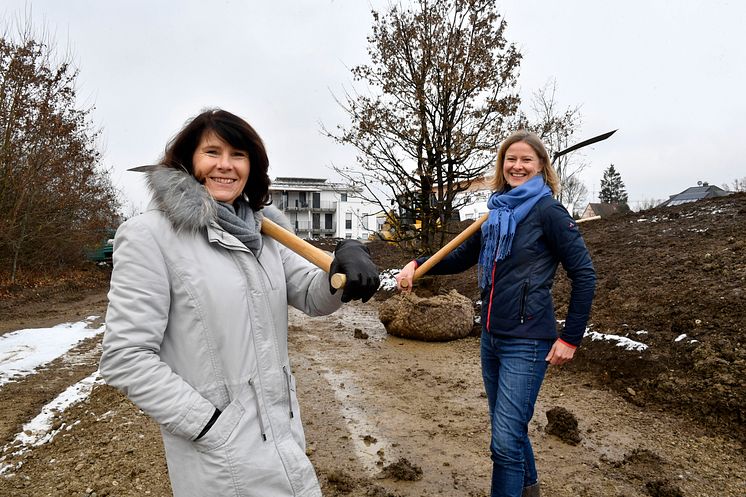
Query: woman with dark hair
{"x": 526, "y": 236}
{"x": 196, "y": 329}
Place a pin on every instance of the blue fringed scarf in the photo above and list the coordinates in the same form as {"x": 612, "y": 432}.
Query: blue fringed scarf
{"x": 507, "y": 210}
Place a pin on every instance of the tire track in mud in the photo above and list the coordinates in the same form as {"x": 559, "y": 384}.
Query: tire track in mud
{"x": 24, "y": 398}
{"x": 391, "y": 405}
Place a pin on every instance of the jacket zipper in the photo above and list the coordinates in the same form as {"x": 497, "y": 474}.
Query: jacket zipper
{"x": 287, "y": 382}
{"x": 524, "y": 296}
{"x": 492, "y": 293}
{"x": 258, "y": 409}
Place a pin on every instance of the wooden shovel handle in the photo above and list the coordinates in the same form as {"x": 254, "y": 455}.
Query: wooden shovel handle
{"x": 447, "y": 249}
{"x": 312, "y": 254}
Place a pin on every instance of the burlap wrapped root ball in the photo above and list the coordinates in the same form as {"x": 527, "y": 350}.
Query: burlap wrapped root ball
{"x": 435, "y": 319}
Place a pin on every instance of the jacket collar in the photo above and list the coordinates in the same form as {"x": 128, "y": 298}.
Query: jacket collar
{"x": 186, "y": 202}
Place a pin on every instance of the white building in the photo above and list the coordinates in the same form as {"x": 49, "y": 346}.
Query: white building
{"x": 318, "y": 209}
{"x": 479, "y": 192}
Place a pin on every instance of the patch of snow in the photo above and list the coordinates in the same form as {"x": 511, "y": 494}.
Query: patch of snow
{"x": 22, "y": 351}
{"x": 680, "y": 337}
{"x": 641, "y": 332}
{"x": 623, "y": 342}
{"x": 388, "y": 280}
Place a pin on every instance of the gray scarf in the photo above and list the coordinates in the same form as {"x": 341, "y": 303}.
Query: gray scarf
{"x": 242, "y": 222}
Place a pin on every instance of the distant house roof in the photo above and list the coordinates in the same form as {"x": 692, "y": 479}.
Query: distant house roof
{"x": 694, "y": 193}
{"x": 283, "y": 183}
{"x": 603, "y": 210}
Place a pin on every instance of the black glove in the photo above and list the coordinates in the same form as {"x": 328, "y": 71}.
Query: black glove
{"x": 352, "y": 258}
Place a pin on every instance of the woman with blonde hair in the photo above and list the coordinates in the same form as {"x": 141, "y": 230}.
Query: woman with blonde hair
{"x": 526, "y": 236}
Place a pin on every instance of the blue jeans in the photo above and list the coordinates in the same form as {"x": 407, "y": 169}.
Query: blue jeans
{"x": 512, "y": 369}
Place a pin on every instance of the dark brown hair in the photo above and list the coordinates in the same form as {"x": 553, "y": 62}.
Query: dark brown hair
{"x": 237, "y": 133}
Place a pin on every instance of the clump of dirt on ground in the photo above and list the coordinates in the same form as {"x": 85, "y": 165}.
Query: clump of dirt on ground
{"x": 403, "y": 469}
{"x": 663, "y": 488}
{"x": 649, "y": 468}
{"x": 563, "y": 424}
{"x": 433, "y": 319}
{"x": 641, "y": 458}
{"x": 341, "y": 481}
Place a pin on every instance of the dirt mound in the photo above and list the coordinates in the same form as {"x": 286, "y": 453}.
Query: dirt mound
{"x": 40, "y": 294}
{"x": 673, "y": 279}
{"x": 434, "y": 319}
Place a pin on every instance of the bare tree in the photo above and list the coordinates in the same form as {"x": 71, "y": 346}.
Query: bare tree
{"x": 54, "y": 195}
{"x": 738, "y": 185}
{"x": 575, "y": 193}
{"x": 557, "y": 129}
{"x": 647, "y": 204}
{"x": 441, "y": 85}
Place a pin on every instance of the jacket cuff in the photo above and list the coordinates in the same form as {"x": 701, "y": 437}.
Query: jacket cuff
{"x": 571, "y": 345}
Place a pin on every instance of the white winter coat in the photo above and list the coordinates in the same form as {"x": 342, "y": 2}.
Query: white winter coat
{"x": 197, "y": 322}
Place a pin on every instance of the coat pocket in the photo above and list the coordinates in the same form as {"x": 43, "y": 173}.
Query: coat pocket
{"x": 524, "y": 302}
{"x": 221, "y": 431}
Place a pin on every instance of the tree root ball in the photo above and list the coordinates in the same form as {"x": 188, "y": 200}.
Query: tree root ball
{"x": 436, "y": 319}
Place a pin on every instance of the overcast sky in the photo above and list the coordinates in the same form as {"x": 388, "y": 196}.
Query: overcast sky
{"x": 668, "y": 74}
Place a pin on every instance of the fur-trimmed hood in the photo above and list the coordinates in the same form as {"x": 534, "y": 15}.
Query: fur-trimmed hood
{"x": 188, "y": 204}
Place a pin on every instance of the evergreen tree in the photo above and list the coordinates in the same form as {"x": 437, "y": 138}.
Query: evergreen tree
{"x": 612, "y": 187}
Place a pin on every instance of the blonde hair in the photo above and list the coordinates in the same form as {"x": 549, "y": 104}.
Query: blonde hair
{"x": 547, "y": 170}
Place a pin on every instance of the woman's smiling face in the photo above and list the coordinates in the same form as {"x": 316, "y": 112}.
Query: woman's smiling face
{"x": 223, "y": 169}
{"x": 521, "y": 163}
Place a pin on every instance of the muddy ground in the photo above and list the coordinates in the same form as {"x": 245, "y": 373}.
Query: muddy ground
{"x": 386, "y": 416}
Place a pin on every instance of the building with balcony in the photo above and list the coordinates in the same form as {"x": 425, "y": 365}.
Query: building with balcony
{"x": 317, "y": 208}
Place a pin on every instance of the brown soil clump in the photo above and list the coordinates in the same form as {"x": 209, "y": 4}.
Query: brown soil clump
{"x": 663, "y": 488}
{"x": 435, "y": 319}
{"x": 563, "y": 424}
{"x": 403, "y": 469}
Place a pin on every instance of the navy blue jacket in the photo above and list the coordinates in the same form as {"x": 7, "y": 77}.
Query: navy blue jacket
{"x": 518, "y": 303}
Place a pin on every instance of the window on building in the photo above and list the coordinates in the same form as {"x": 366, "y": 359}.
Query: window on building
{"x": 343, "y": 197}
{"x": 317, "y": 221}
{"x": 348, "y": 221}
{"x": 316, "y": 200}
{"x": 328, "y": 221}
